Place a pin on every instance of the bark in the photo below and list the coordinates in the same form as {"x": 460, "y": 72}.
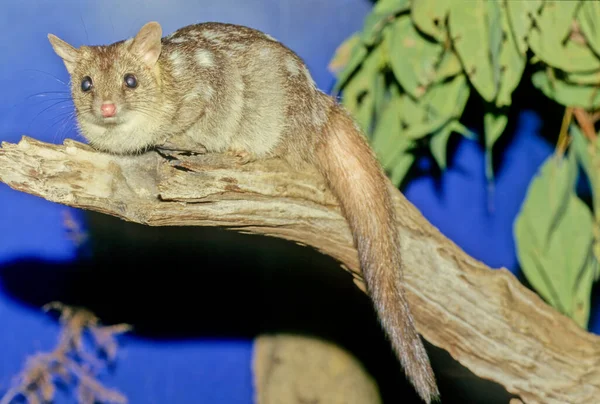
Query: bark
{"x": 484, "y": 318}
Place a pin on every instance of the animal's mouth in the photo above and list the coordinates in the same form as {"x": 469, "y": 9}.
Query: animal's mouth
{"x": 110, "y": 120}
{"x": 100, "y": 120}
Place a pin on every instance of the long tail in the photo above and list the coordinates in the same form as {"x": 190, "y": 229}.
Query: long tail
{"x": 356, "y": 178}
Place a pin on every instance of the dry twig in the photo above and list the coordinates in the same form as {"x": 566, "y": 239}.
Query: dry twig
{"x": 70, "y": 363}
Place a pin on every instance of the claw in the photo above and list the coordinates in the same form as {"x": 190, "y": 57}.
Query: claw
{"x": 242, "y": 156}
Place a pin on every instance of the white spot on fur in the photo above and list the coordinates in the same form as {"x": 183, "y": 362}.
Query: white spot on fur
{"x": 204, "y": 58}
{"x": 175, "y": 57}
{"x": 265, "y": 52}
{"x": 180, "y": 39}
{"x": 213, "y": 36}
{"x": 202, "y": 91}
{"x": 128, "y": 42}
{"x": 292, "y": 66}
{"x": 269, "y": 37}
{"x": 177, "y": 61}
{"x": 237, "y": 46}
{"x": 309, "y": 78}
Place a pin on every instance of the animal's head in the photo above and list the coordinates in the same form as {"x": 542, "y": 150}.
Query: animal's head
{"x": 115, "y": 88}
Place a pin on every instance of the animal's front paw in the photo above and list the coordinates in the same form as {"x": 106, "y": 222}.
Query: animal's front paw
{"x": 173, "y": 146}
{"x": 242, "y": 157}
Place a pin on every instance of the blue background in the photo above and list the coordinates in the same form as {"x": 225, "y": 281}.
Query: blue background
{"x": 212, "y": 370}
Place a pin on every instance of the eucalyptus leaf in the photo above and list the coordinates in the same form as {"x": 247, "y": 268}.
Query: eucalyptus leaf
{"x": 496, "y": 35}
{"x": 521, "y": 15}
{"x": 413, "y": 57}
{"x": 387, "y": 133}
{"x": 475, "y": 31}
{"x": 402, "y": 167}
{"x": 430, "y": 16}
{"x": 380, "y": 91}
{"x": 512, "y": 64}
{"x": 381, "y": 15}
{"x": 449, "y": 66}
{"x": 439, "y": 141}
{"x": 591, "y": 78}
{"x": 494, "y": 123}
{"x": 567, "y": 94}
{"x": 343, "y": 53}
{"x": 583, "y": 291}
{"x": 589, "y": 21}
{"x": 440, "y": 104}
{"x": 589, "y": 158}
{"x": 553, "y": 233}
{"x": 553, "y": 26}
{"x": 358, "y": 96}
{"x": 357, "y": 56}
{"x": 390, "y": 145}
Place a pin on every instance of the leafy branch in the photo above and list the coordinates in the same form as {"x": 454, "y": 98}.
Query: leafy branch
{"x": 407, "y": 77}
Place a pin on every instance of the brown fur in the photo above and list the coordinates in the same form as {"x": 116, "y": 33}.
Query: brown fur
{"x": 228, "y": 88}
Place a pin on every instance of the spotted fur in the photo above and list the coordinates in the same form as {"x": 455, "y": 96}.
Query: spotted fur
{"x": 229, "y": 88}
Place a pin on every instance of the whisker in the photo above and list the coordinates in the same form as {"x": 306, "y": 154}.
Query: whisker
{"x": 24, "y": 100}
{"x": 87, "y": 38}
{"x": 62, "y": 131}
{"x": 45, "y": 94}
{"x": 51, "y": 75}
{"x": 41, "y": 112}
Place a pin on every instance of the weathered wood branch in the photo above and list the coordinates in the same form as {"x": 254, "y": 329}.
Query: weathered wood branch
{"x": 484, "y": 318}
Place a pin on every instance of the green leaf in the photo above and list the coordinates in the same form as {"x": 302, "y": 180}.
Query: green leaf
{"x": 413, "y": 57}
{"x": 512, "y": 64}
{"x": 496, "y": 34}
{"x": 476, "y": 33}
{"x": 357, "y": 56}
{"x": 382, "y": 14}
{"x": 342, "y": 54}
{"x": 440, "y": 104}
{"x": 430, "y": 17}
{"x": 521, "y": 15}
{"x": 567, "y": 94}
{"x": 439, "y": 146}
{"x": 592, "y": 78}
{"x": 583, "y": 291}
{"x": 588, "y": 156}
{"x": 439, "y": 141}
{"x": 553, "y": 26}
{"x": 402, "y": 167}
{"x": 553, "y": 233}
{"x": 380, "y": 91}
{"x": 359, "y": 92}
{"x": 494, "y": 123}
{"x": 449, "y": 66}
{"x": 387, "y": 134}
{"x": 589, "y": 21}
{"x": 391, "y": 147}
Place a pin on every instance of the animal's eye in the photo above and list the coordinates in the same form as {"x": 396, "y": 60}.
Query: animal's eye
{"x": 130, "y": 81}
{"x": 86, "y": 84}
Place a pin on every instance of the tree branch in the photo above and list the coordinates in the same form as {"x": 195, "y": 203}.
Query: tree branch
{"x": 485, "y": 319}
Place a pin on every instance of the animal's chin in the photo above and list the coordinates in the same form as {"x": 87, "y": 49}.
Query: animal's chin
{"x": 105, "y": 122}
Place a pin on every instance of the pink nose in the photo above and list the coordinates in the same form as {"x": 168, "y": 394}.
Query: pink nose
{"x": 108, "y": 110}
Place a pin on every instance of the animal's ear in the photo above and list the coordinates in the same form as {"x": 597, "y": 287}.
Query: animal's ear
{"x": 67, "y": 52}
{"x": 146, "y": 44}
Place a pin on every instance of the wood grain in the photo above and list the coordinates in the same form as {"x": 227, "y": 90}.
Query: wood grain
{"x": 484, "y": 318}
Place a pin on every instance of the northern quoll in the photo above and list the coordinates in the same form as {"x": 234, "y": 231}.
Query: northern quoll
{"x": 230, "y": 88}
